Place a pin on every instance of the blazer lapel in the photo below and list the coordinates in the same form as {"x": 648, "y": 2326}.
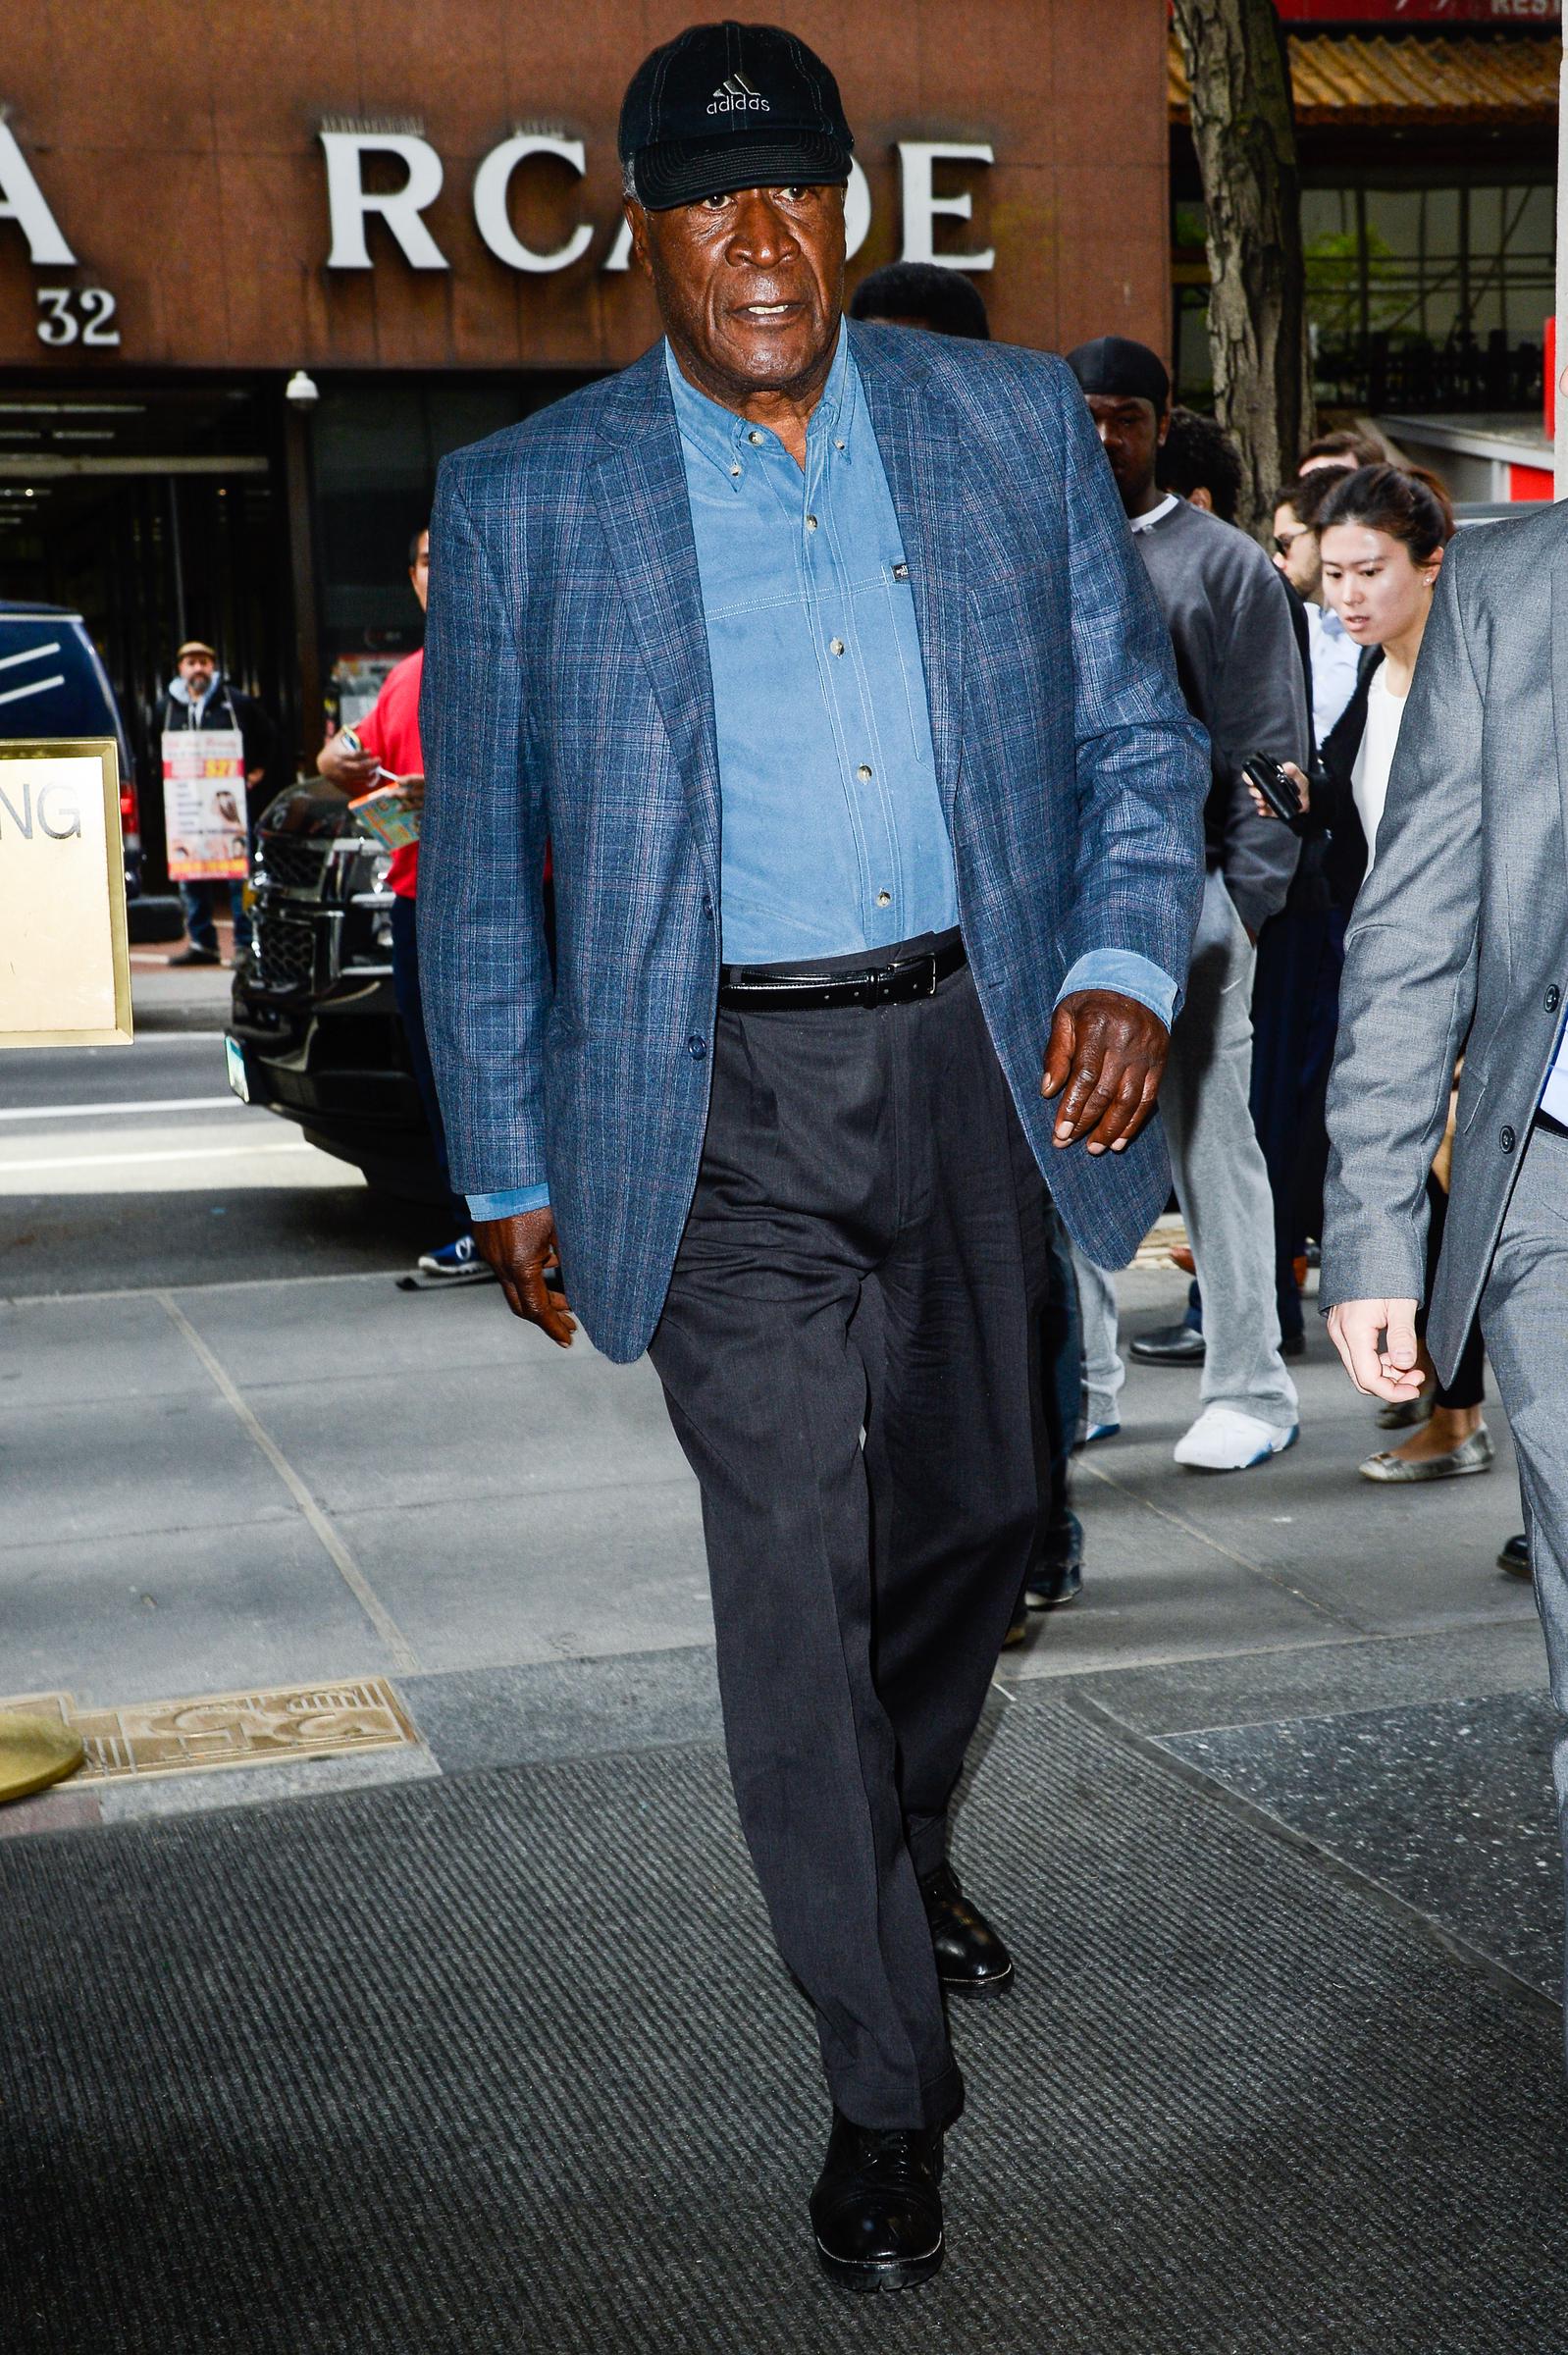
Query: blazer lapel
{"x": 915, "y": 437}
{"x": 639, "y": 488}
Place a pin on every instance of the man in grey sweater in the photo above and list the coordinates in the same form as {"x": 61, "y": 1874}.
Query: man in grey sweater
{"x": 1229, "y": 621}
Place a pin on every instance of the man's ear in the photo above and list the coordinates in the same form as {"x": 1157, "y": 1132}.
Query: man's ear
{"x": 1165, "y": 425}
{"x": 637, "y": 222}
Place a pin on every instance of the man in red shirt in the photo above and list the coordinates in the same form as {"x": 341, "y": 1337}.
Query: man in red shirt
{"x": 389, "y": 736}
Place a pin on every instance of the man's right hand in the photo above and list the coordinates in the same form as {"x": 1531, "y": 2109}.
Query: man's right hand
{"x": 352, "y": 772}
{"x": 518, "y": 1248}
{"x": 1376, "y": 1340}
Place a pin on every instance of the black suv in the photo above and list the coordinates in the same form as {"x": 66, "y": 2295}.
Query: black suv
{"x": 313, "y": 1033}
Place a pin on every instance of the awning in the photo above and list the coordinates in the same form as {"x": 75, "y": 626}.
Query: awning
{"x": 1377, "y": 82}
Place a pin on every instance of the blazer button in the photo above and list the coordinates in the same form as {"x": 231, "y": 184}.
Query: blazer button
{"x": 1507, "y": 1139}
{"x": 696, "y": 1048}
{"x": 1552, "y": 999}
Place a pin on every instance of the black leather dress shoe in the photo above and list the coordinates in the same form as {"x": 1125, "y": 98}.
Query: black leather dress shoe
{"x": 877, "y": 2206}
{"x": 1171, "y": 1345}
{"x": 970, "y": 1959}
{"x": 1515, "y": 1556}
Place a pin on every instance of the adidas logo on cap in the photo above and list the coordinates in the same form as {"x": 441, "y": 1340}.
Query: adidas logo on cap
{"x": 736, "y": 96}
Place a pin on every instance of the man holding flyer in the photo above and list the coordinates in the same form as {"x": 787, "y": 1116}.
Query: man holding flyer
{"x": 380, "y": 753}
{"x": 218, "y": 754}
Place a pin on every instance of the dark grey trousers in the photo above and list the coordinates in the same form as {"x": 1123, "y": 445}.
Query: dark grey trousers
{"x": 845, "y": 1351}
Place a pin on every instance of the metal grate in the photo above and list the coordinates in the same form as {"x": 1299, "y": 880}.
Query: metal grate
{"x": 297, "y": 863}
{"x": 284, "y": 950}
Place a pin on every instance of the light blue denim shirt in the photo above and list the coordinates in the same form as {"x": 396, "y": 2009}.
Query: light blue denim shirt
{"x": 832, "y": 828}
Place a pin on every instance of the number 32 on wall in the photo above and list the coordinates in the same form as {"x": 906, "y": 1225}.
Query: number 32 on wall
{"x": 76, "y": 315}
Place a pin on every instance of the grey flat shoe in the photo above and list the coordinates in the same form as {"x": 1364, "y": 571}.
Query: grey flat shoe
{"x": 1473, "y": 1454}
{"x": 1403, "y": 1414}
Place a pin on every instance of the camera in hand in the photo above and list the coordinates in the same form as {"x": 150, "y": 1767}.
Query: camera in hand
{"x": 1276, "y": 786}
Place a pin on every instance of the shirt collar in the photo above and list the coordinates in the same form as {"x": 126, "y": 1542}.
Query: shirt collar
{"x": 718, "y": 434}
{"x": 1146, "y": 523}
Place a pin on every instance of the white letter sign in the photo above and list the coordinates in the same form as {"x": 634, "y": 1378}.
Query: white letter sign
{"x": 22, "y": 200}
{"x": 922, "y": 206}
{"x": 350, "y": 202}
{"x": 490, "y": 183}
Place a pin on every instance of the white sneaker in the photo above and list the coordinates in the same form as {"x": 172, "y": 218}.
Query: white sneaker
{"x": 1224, "y": 1439}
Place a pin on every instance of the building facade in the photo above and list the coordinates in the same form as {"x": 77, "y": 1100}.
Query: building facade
{"x": 410, "y": 209}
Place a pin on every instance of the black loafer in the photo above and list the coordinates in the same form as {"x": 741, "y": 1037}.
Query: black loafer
{"x": 1515, "y": 1556}
{"x": 970, "y": 1959}
{"x": 1171, "y": 1345}
{"x": 877, "y": 2206}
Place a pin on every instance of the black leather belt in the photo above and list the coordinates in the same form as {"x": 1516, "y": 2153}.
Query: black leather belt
{"x": 1543, "y": 1119}
{"x": 763, "y": 989}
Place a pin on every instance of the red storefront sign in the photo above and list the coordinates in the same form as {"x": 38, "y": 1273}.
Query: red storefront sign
{"x": 1524, "y": 13}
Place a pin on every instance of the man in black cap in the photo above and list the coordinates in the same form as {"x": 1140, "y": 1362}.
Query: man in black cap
{"x": 820, "y": 656}
{"x": 1231, "y": 624}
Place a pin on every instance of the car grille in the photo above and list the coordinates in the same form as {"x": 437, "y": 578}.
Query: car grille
{"x": 296, "y": 862}
{"x": 286, "y": 952}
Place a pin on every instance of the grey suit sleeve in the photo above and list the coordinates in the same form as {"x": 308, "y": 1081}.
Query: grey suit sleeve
{"x": 1409, "y": 985}
{"x": 485, "y": 979}
{"x": 1260, "y": 706}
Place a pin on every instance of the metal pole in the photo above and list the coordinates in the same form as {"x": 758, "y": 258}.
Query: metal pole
{"x": 1560, "y": 304}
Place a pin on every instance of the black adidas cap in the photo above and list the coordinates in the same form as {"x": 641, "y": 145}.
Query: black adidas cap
{"x": 731, "y": 106}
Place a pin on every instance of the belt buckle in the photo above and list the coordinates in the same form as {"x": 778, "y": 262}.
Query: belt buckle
{"x": 924, "y": 978}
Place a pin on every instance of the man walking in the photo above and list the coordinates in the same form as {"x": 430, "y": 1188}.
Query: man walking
{"x": 821, "y": 655}
{"x": 389, "y": 743}
{"x": 199, "y": 696}
{"x": 1460, "y": 933}
{"x": 1235, "y": 651}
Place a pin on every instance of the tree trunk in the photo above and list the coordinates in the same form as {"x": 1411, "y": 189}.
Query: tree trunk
{"x": 1243, "y": 128}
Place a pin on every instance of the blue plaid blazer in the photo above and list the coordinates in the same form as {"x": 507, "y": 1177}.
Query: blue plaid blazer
{"x": 567, "y": 698}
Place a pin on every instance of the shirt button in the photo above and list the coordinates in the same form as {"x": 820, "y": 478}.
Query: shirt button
{"x": 1507, "y": 1139}
{"x": 696, "y": 1047}
{"x": 864, "y": 773}
{"x": 810, "y": 523}
{"x": 755, "y": 440}
{"x": 884, "y": 899}
{"x": 1552, "y": 999}
{"x": 735, "y": 473}
{"x": 835, "y": 645}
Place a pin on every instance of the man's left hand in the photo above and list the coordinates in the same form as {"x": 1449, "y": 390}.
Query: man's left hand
{"x": 1107, "y": 1052}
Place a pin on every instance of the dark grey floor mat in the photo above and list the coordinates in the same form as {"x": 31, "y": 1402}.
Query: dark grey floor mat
{"x": 501, "y": 2062}
{"x": 1447, "y": 1802}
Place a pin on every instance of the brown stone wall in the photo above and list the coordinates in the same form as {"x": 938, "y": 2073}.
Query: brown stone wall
{"x": 177, "y": 150}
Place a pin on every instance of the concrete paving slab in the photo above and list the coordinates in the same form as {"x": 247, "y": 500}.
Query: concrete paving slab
{"x": 552, "y": 1420}
{"x": 196, "y": 1794}
{"x": 565, "y": 1709}
{"x": 1249, "y": 1688}
{"x": 271, "y": 1336}
{"x": 68, "y": 1355}
{"x": 114, "y": 1465}
{"x": 565, "y": 1573}
{"x": 150, "y": 1614}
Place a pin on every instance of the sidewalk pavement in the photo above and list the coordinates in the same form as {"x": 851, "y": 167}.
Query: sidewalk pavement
{"x": 1266, "y": 1812}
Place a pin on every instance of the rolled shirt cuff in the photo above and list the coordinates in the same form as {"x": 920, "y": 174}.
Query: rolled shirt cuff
{"x": 1130, "y": 976}
{"x": 508, "y": 1206}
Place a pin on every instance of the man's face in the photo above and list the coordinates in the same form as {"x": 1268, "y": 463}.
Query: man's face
{"x": 1295, "y": 552}
{"x": 419, "y": 571}
{"x": 1130, "y": 432}
{"x": 749, "y": 286}
{"x": 196, "y": 671}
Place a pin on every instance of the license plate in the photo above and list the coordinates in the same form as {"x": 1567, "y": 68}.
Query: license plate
{"x": 234, "y": 1057}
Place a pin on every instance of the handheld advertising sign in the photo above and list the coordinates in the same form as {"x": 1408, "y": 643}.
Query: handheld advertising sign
{"x": 204, "y": 804}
